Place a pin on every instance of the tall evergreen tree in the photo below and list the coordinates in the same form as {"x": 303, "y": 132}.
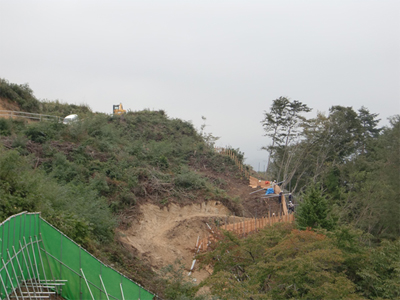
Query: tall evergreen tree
{"x": 272, "y": 123}
{"x": 313, "y": 211}
{"x": 344, "y": 131}
{"x": 369, "y": 128}
{"x": 281, "y": 124}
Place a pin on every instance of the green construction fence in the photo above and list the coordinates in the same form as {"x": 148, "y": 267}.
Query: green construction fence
{"x": 32, "y": 249}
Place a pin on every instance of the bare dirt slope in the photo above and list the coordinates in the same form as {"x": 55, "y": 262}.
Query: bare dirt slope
{"x": 163, "y": 235}
{"x": 8, "y": 105}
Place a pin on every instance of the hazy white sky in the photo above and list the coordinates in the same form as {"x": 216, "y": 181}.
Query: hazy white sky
{"x": 225, "y": 60}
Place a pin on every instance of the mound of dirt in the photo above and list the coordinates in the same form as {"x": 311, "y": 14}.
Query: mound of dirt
{"x": 164, "y": 235}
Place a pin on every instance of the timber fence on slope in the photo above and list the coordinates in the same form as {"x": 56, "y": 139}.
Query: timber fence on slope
{"x": 241, "y": 228}
{"x": 38, "y": 260}
{"x": 230, "y": 153}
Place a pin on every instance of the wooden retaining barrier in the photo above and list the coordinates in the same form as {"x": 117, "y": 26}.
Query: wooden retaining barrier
{"x": 232, "y": 155}
{"x": 241, "y": 229}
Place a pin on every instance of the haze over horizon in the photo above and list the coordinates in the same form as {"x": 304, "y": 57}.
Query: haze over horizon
{"x": 224, "y": 60}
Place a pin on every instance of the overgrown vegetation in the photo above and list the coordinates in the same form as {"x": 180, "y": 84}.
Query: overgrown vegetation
{"x": 345, "y": 170}
{"x": 345, "y": 242}
{"x": 355, "y": 163}
{"x": 83, "y": 175}
{"x": 283, "y": 262}
{"x": 21, "y": 94}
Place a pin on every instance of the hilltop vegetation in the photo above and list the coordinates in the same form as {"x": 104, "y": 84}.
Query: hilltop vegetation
{"x": 85, "y": 177}
{"x": 345, "y": 243}
{"x": 355, "y": 162}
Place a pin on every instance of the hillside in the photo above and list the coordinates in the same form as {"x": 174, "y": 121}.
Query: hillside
{"x": 136, "y": 190}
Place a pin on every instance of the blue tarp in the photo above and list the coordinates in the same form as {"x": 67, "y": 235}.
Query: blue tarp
{"x": 269, "y": 191}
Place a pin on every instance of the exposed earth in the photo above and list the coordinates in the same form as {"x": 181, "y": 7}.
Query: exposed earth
{"x": 163, "y": 235}
{"x": 168, "y": 235}
{"x": 8, "y": 105}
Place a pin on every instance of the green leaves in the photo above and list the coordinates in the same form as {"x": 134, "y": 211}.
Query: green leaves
{"x": 313, "y": 211}
{"x": 189, "y": 180}
{"x": 19, "y": 93}
{"x": 305, "y": 265}
{"x": 280, "y": 262}
{"x": 282, "y": 125}
{"x": 75, "y": 209}
{"x": 381, "y": 272}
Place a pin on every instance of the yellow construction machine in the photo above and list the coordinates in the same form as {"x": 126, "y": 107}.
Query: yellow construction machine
{"x": 118, "y": 110}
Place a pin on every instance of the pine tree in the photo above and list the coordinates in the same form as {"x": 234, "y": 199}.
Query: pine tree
{"x": 313, "y": 211}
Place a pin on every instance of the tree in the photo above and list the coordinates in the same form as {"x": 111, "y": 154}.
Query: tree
{"x": 379, "y": 275}
{"x": 279, "y": 262}
{"x": 369, "y": 128}
{"x": 208, "y": 138}
{"x": 313, "y": 211}
{"x": 326, "y": 142}
{"x": 293, "y": 121}
{"x": 344, "y": 132}
{"x": 282, "y": 124}
{"x": 272, "y": 123}
{"x": 371, "y": 199}
{"x": 306, "y": 156}
{"x": 304, "y": 265}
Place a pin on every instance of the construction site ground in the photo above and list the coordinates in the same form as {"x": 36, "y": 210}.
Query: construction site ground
{"x": 163, "y": 235}
{"x": 168, "y": 235}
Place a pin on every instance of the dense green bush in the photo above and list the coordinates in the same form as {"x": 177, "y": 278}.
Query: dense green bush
{"x": 76, "y": 209}
{"x": 63, "y": 109}
{"x": 281, "y": 262}
{"x": 189, "y": 180}
{"x": 21, "y": 94}
{"x": 314, "y": 211}
{"x": 5, "y": 127}
{"x": 41, "y": 132}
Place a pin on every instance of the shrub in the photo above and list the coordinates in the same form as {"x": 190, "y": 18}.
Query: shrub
{"x": 179, "y": 286}
{"x": 313, "y": 211}
{"x": 63, "y": 109}
{"x": 43, "y": 131}
{"x": 189, "y": 180}
{"x": 62, "y": 169}
{"x": 19, "y": 93}
{"x": 5, "y": 127}
{"x": 99, "y": 184}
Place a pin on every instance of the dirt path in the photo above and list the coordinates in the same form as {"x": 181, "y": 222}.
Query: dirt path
{"x": 164, "y": 235}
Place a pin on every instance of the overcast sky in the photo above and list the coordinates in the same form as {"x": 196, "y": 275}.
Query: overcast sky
{"x": 225, "y": 60}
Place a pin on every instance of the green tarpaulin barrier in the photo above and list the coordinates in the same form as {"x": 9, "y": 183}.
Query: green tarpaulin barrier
{"x": 31, "y": 250}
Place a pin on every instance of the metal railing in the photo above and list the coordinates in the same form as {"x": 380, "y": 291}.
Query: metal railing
{"x": 32, "y": 116}
{"x": 34, "y": 266}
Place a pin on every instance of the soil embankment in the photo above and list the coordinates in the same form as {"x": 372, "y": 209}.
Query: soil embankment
{"x": 164, "y": 235}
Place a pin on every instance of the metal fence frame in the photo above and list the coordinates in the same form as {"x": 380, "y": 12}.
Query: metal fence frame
{"x": 29, "y": 272}
{"x": 32, "y": 116}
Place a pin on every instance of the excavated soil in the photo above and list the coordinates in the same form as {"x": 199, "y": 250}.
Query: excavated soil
{"x": 164, "y": 235}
